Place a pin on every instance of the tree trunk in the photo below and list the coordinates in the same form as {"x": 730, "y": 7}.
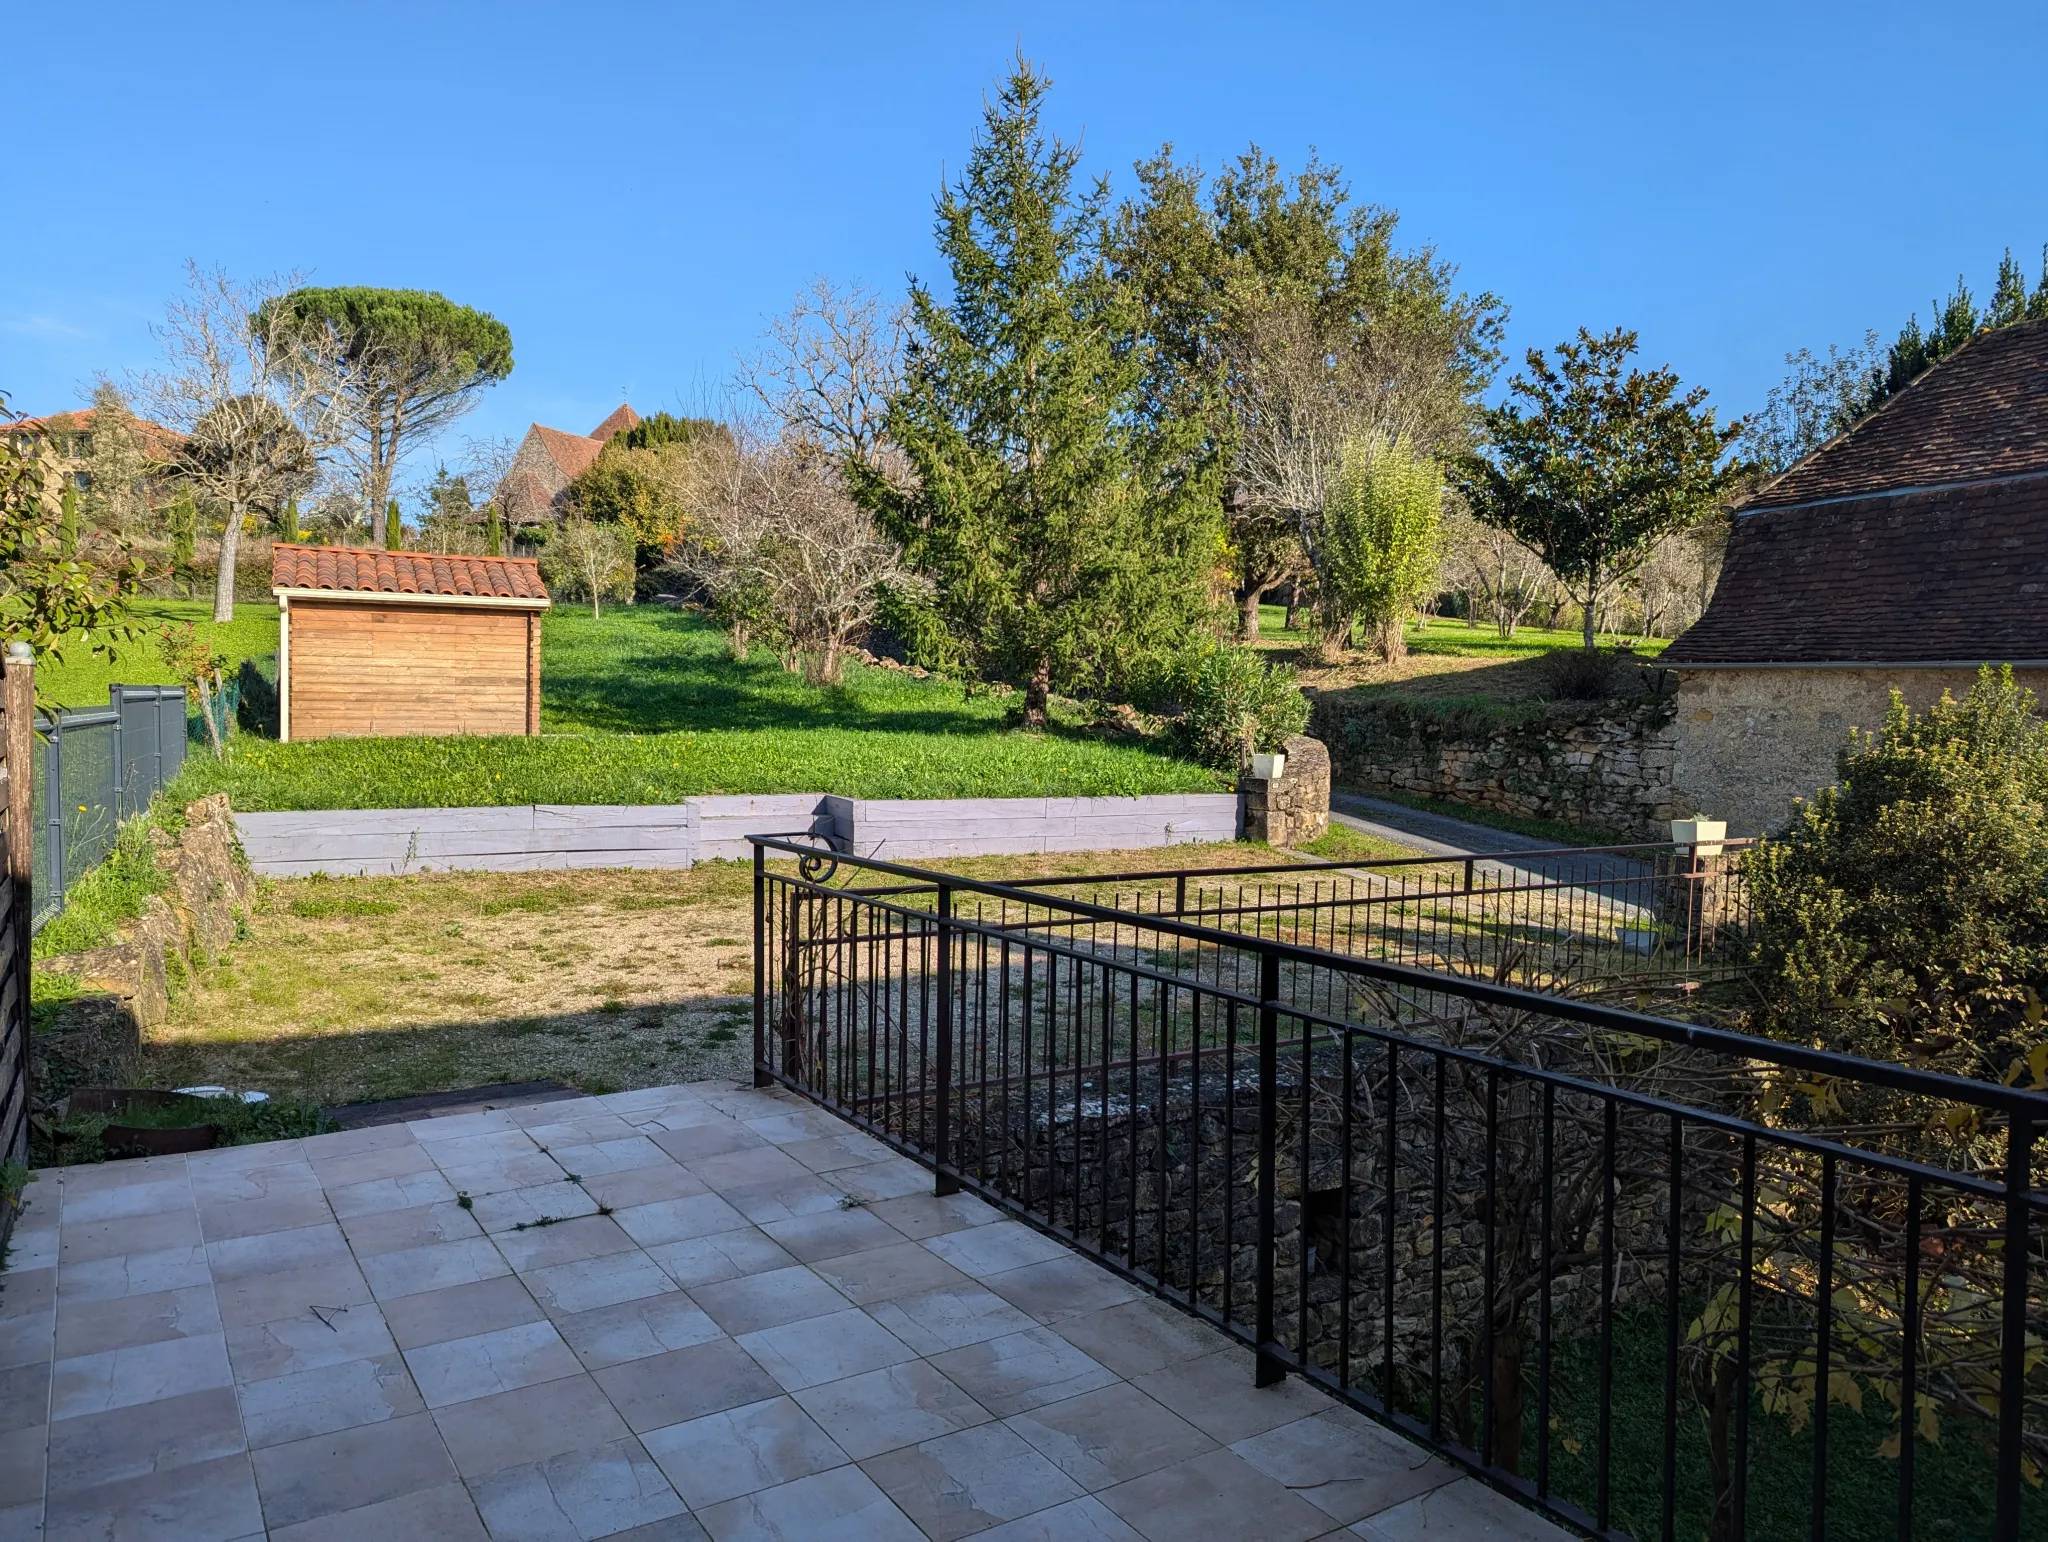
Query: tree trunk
{"x": 1037, "y": 694}
{"x": 1248, "y": 628}
{"x": 224, "y": 571}
{"x": 1720, "y": 1452}
{"x": 1592, "y": 604}
{"x": 737, "y": 642}
{"x": 1390, "y": 638}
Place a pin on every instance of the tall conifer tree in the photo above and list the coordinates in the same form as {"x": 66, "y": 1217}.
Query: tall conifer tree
{"x": 1070, "y": 535}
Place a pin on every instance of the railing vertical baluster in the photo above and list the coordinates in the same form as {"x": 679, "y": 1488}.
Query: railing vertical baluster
{"x": 1909, "y": 1360}
{"x": 1604, "y": 1492}
{"x": 1745, "y": 1305}
{"x": 2012, "y": 1347}
{"x": 1824, "y": 1344}
{"x": 1269, "y": 1369}
{"x": 1549, "y": 1253}
{"x": 1489, "y": 1299}
{"x": 1436, "y": 1267}
{"x": 1345, "y": 1134}
{"x": 1391, "y": 1262}
{"x": 1673, "y": 1257}
{"x": 761, "y": 1076}
{"x": 945, "y": 1182}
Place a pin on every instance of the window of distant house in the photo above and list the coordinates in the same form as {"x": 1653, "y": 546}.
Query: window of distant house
{"x": 81, "y": 445}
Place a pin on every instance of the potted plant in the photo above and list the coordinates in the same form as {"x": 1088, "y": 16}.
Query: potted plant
{"x": 1702, "y": 834}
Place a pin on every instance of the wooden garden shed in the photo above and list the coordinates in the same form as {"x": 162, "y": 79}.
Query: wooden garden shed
{"x": 378, "y": 643}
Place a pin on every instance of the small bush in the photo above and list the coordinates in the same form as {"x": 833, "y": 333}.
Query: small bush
{"x": 1234, "y": 704}
{"x": 1580, "y": 674}
{"x": 1903, "y": 914}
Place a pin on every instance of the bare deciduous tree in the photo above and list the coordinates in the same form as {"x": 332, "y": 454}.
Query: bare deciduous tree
{"x": 590, "y": 561}
{"x": 828, "y": 369}
{"x": 1501, "y": 576}
{"x": 777, "y": 532}
{"x": 254, "y": 410}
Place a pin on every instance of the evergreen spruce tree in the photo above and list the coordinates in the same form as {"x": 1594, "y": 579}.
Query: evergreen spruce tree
{"x": 394, "y": 527}
{"x": 1070, "y": 535}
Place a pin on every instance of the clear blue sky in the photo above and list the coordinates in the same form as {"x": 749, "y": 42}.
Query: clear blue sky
{"x": 631, "y": 189}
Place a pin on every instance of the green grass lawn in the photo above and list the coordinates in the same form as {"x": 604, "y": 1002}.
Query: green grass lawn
{"x": 1440, "y": 638}
{"x": 82, "y": 679}
{"x": 646, "y": 706}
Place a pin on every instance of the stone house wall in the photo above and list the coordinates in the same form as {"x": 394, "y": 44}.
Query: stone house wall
{"x": 1744, "y": 743}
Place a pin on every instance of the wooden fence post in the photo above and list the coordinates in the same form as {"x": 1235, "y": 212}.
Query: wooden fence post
{"x": 17, "y": 760}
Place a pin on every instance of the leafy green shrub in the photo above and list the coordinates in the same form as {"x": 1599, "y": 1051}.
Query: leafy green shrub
{"x": 111, "y": 893}
{"x": 1234, "y": 703}
{"x": 1580, "y": 674}
{"x": 1903, "y": 914}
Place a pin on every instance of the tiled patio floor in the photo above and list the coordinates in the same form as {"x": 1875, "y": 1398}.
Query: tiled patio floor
{"x": 746, "y": 1321}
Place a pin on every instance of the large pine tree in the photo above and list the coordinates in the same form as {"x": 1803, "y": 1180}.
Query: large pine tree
{"x": 1071, "y": 536}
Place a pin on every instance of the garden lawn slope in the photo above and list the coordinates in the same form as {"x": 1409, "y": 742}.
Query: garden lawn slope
{"x": 82, "y": 679}
{"x": 646, "y": 706}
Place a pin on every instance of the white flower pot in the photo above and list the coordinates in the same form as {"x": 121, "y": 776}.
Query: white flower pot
{"x": 1268, "y": 768}
{"x": 1704, "y": 836}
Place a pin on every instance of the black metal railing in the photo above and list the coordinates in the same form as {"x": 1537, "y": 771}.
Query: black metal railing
{"x": 1580, "y": 919}
{"x": 1655, "y": 1279}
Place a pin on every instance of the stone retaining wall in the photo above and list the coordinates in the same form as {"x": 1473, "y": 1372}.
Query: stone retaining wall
{"x": 1602, "y": 765}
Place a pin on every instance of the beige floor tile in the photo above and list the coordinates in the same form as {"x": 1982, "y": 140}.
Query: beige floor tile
{"x": 741, "y": 1450}
{"x": 142, "y": 1438}
{"x": 592, "y": 1157}
{"x": 637, "y": 1186}
{"x": 1110, "y": 1436}
{"x": 457, "y": 1370}
{"x": 995, "y": 1248}
{"x": 129, "y": 1274}
{"x": 215, "y": 1185}
{"x": 82, "y": 1241}
{"x": 655, "y": 1391}
{"x": 787, "y": 1199}
{"x": 680, "y": 1218}
{"x": 633, "y": 1330}
{"x": 290, "y": 1345}
{"x": 590, "y": 1283}
{"x": 934, "y": 1321}
{"x": 1139, "y": 1336}
{"x": 296, "y": 1247}
{"x": 1059, "y": 1288}
{"x": 1466, "y": 1510}
{"x": 1215, "y": 1497}
{"x": 562, "y": 1241}
{"x": 878, "y": 1274}
{"x": 1022, "y": 1371}
{"x": 831, "y": 1234}
{"x": 434, "y": 1267}
{"x": 768, "y": 1300}
{"x": 332, "y": 1397}
{"x": 344, "y": 1470}
{"x": 919, "y": 1216}
{"x": 513, "y": 1429}
{"x": 969, "y": 1481}
{"x": 726, "y": 1255}
{"x": 376, "y": 1196}
{"x": 457, "y": 1311}
{"x": 24, "y": 1395}
{"x": 207, "y": 1499}
{"x": 24, "y": 1464}
{"x": 444, "y": 1513}
{"x": 842, "y": 1505}
{"x": 401, "y": 1159}
{"x": 416, "y": 1226}
{"x": 748, "y": 1168}
{"x": 263, "y": 1298}
{"x": 705, "y": 1140}
{"x": 816, "y": 1350}
{"x": 115, "y": 1378}
{"x": 88, "y": 1327}
{"x": 1216, "y": 1394}
{"x": 115, "y": 1201}
{"x": 1078, "y": 1520}
{"x": 1344, "y": 1464}
{"x": 594, "y": 1492}
{"x": 899, "y": 1405}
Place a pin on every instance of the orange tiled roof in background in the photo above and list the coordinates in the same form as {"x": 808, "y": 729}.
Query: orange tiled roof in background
{"x": 367, "y": 570}
{"x": 157, "y": 441}
{"x": 622, "y": 418}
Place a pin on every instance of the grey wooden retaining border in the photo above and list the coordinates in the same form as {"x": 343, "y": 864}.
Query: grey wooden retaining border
{"x": 381, "y": 842}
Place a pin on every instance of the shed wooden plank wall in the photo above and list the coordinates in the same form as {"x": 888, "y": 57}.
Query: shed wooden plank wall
{"x": 361, "y": 668}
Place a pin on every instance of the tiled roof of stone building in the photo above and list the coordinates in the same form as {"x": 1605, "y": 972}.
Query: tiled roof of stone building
{"x": 549, "y": 459}
{"x": 1918, "y": 536}
{"x": 369, "y": 570}
{"x": 623, "y": 417}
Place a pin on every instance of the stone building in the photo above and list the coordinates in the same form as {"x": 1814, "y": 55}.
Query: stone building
{"x": 549, "y": 459}
{"x": 1902, "y": 555}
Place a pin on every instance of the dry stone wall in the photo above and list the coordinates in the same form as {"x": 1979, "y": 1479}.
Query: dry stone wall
{"x": 1602, "y": 765}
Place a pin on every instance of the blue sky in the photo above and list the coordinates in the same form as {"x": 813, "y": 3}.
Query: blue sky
{"x": 632, "y": 189}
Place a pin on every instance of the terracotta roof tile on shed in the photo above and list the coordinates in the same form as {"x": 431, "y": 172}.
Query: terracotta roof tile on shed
{"x": 366, "y": 570}
{"x": 1920, "y": 536}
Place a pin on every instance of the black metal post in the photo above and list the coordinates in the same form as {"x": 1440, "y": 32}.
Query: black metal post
{"x": 761, "y": 1076}
{"x": 945, "y": 1182}
{"x": 1270, "y": 1368}
{"x": 2012, "y": 1346}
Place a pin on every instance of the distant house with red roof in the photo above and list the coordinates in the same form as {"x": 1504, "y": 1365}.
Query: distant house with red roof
{"x": 549, "y": 459}
{"x": 69, "y": 437}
